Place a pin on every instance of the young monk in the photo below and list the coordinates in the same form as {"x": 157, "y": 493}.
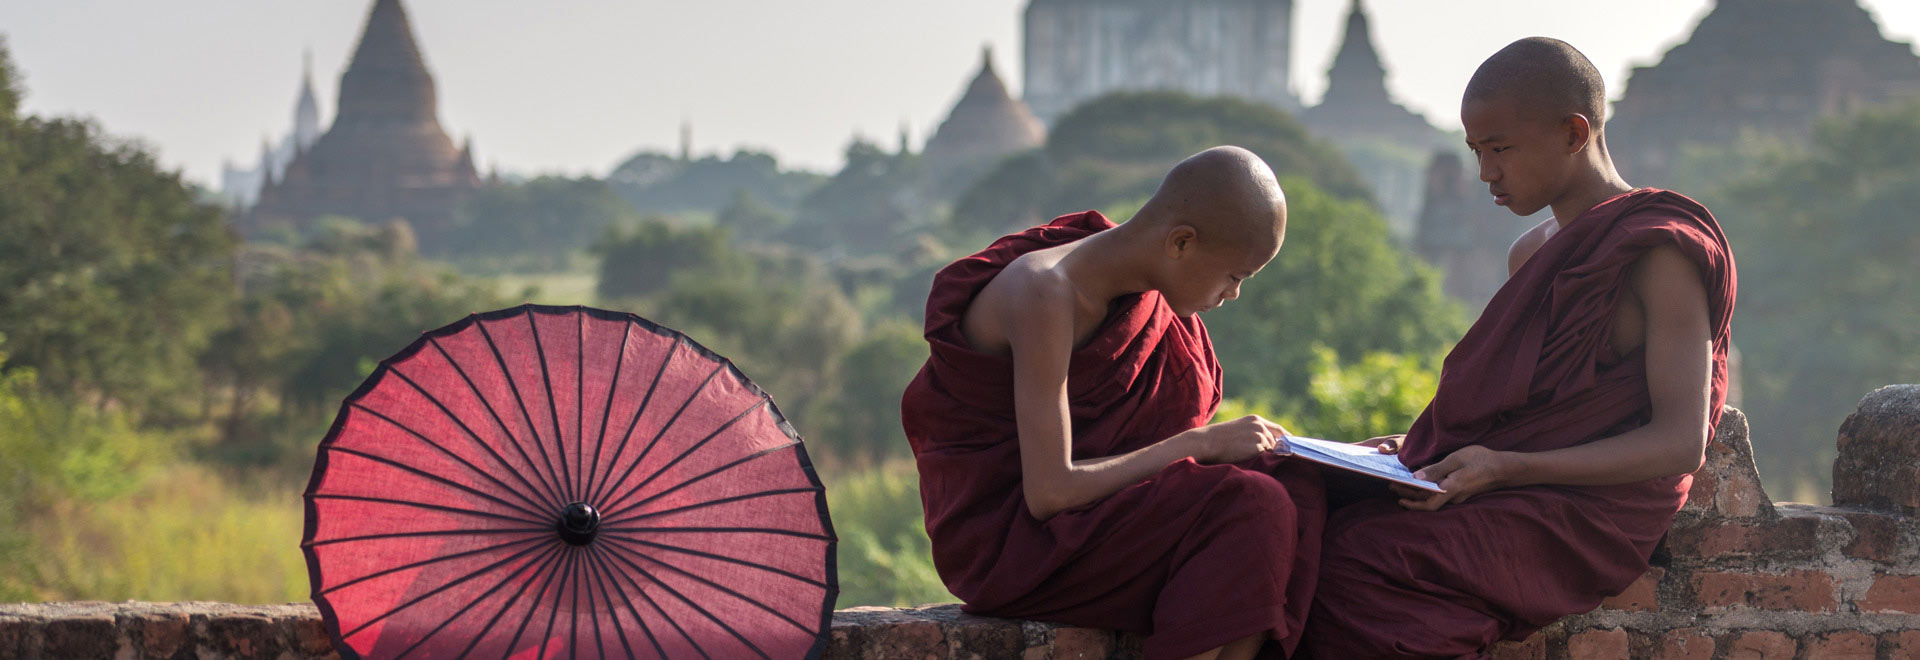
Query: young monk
{"x": 1568, "y": 419}
{"x": 1058, "y": 426}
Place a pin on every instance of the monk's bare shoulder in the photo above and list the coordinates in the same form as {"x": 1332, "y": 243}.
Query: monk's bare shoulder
{"x": 1528, "y": 243}
{"x": 1029, "y": 283}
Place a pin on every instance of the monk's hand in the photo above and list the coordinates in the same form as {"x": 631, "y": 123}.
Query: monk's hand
{"x": 1463, "y": 474}
{"x": 1387, "y": 444}
{"x": 1234, "y": 441}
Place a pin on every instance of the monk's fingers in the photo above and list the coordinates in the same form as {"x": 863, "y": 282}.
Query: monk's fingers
{"x": 1389, "y": 445}
{"x": 1280, "y": 446}
{"x": 1430, "y": 502}
{"x": 1408, "y": 492}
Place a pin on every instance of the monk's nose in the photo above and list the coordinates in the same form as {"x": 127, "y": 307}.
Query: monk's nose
{"x": 1488, "y": 173}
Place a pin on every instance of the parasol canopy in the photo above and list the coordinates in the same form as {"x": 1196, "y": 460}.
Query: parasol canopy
{"x": 566, "y": 482}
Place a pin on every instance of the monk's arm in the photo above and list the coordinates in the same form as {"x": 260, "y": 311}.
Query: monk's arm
{"x": 1041, "y": 334}
{"x": 1679, "y": 359}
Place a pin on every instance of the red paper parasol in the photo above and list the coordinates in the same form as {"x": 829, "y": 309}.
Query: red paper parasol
{"x": 565, "y": 482}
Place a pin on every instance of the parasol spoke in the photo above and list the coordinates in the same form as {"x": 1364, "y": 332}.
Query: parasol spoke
{"x": 553, "y": 411}
{"x": 696, "y": 478}
{"x": 430, "y": 560}
{"x": 416, "y": 505}
{"x": 553, "y": 614}
{"x": 444, "y": 410}
{"x": 656, "y": 607}
{"x": 580, "y": 401}
{"x": 440, "y": 479}
{"x": 606, "y": 411}
{"x": 507, "y": 604}
{"x": 699, "y": 530}
{"x": 518, "y": 447}
{"x": 593, "y": 494}
{"x": 719, "y": 557}
{"x": 496, "y": 587}
{"x": 441, "y": 532}
{"x": 662, "y": 431}
{"x": 436, "y": 590}
{"x": 714, "y": 585}
{"x": 691, "y": 603}
{"x": 619, "y": 509}
{"x": 708, "y": 503}
{"x": 599, "y": 638}
{"x": 598, "y": 568}
{"x": 533, "y": 608}
{"x": 521, "y": 402}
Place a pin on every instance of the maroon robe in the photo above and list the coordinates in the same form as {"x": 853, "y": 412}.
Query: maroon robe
{"x": 1534, "y": 373}
{"x": 1196, "y": 556}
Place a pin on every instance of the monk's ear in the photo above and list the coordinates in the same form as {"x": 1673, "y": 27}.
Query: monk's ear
{"x": 1181, "y": 239}
{"x": 1579, "y": 132}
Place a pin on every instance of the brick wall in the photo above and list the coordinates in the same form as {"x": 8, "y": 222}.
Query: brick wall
{"x": 1738, "y": 577}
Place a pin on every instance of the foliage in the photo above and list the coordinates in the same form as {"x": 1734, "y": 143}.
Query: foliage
{"x": 1826, "y": 311}
{"x": 310, "y": 325}
{"x": 112, "y": 273}
{"x": 1381, "y": 394}
{"x": 1120, "y": 146}
{"x": 538, "y": 225}
{"x": 643, "y": 260}
{"x": 658, "y": 183}
{"x": 860, "y": 414}
{"x": 99, "y": 455}
{"x": 1340, "y": 283}
{"x": 870, "y": 207}
{"x": 884, "y": 555}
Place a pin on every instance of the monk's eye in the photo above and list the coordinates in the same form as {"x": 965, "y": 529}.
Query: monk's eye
{"x": 1500, "y": 149}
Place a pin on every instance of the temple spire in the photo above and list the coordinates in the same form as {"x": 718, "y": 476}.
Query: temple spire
{"x": 387, "y": 79}
{"x": 1357, "y": 74}
{"x": 306, "y": 112}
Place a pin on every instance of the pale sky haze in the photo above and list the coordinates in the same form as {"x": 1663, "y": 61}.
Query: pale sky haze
{"x": 574, "y": 86}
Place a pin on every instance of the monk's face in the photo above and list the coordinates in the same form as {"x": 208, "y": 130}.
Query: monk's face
{"x": 1211, "y": 275}
{"x": 1524, "y": 157}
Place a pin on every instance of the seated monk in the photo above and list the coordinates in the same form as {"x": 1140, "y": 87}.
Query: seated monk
{"x": 1570, "y": 417}
{"x": 1066, "y": 468}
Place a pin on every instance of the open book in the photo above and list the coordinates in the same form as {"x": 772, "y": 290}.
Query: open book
{"x": 1364, "y": 460}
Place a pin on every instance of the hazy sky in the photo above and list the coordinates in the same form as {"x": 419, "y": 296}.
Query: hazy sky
{"x": 573, "y": 86}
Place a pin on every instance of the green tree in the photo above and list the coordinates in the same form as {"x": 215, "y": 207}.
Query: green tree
{"x": 539, "y": 225}
{"x": 658, "y": 183}
{"x": 1339, "y": 283}
{"x": 644, "y": 259}
{"x": 1119, "y": 146}
{"x": 872, "y": 206}
{"x": 1826, "y": 311}
{"x": 112, "y": 273}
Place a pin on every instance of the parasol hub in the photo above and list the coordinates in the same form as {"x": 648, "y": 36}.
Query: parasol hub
{"x": 579, "y": 522}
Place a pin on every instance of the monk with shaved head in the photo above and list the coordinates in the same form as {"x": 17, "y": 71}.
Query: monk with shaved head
{"x": 1067, "y": 469}
{"x": 1569, "y": 418}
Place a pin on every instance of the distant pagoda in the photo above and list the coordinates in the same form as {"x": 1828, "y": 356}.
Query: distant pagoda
{"x": 385, "y": 156}
{"x": 1357, "y": 105}
{"x": 1767, "y": 68}
{"x": 987, "y": 124}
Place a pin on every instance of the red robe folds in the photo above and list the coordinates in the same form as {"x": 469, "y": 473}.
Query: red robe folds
{"x": 1196, "y": 556}
{"x": 1535, "y": 373}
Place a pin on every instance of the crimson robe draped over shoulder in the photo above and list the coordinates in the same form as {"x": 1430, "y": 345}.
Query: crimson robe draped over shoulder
{"x": 1536, "y": 372}
{"x": 1196, "y": 556}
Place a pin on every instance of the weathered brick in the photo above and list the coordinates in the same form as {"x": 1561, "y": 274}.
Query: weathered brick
{"x": 1876, "y": 536}
{"x": 1903, "y": 644}
{"x": 81, "y": 636}
{"x": 1805, "y": 590}
{"x": 1893, "y": 593}
{"x": 1761, "y": 645}
{"x": 1728, "y": 484}
{"x": 1531, "y": 648}
{"x": 1878, "y": 466}
{"x": 1598, "y": 645}
{"x": 1082, "y": 644}
{"x": 871, "y": 633}
{"x": 13, "y": 636}
{"x": 1683, "y": 644}
{"x": 160, "y": 634}
{"x": 243, "y": 635}
{"x": 1641, "y": 596}
{"x": 1793, "y": 536}
{"x": 1840, "y": 645}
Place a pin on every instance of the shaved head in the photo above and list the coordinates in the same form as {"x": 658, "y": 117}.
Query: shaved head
{"x": 1227, "y": 194}
{"x": 1545, "y": 78}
